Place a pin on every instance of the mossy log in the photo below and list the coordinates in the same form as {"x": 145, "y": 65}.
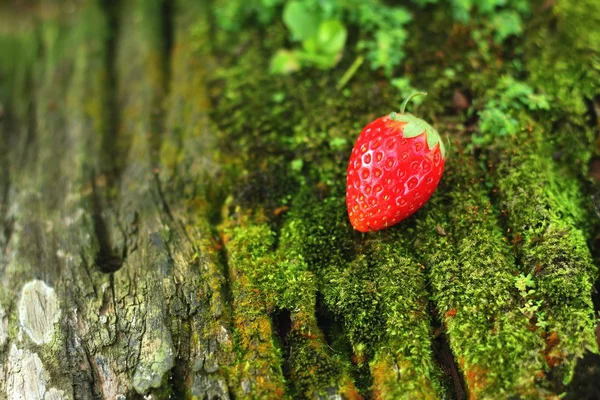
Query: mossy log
{"x": 173, "y": 220}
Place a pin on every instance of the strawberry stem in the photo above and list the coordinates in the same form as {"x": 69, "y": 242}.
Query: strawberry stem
{"x": 403, "y": 106}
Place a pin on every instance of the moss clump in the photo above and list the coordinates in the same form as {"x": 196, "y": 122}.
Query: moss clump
{"x": 315, "y": 369}
{"x": 264, "y": 280}
{"x": 564, "y": 62}
{"x": 269, "y": 159}
{"x": 565, "y": 57}
{"x": 407, "y": 338}
{"x": 376, "y": 289}
{"x": 257, "y": 368}
{"x": 348, "y": 271}
{"x": 542, "y": 222}
{"x": 471, "y": 269}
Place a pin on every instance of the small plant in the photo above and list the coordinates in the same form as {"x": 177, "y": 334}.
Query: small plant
{"x": 502, "y": 18}
{"x": 320, "y": 28}
{"x": 322, "y": 39}
{"x": 231, "y": 15}
{"x": 526, "y": 286}
{"x": 497, "y": 116}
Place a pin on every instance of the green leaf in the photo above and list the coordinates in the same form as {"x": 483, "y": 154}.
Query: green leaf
{"x": 324, "y": 49}
{"x": 462, "y": 9}
{"x": 302, "y": 22}
{"x": 416, "y": 126}
{"x": 405, "y": 88}
{"x": 506, "y": 23}
{"x": 331, "y": 37}
{"x": 337, "y": 143}
{"x": 297, "y": 164}
{"x": 323, "y": 61}
{"x": 284, "y": 62}
{"x": 310, "y": 45}
{"x": 278, "y": 97}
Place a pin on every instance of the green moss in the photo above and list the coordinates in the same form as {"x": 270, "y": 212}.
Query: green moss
{"x": 295, "y": 155}
{"x": 375, "y": 288}
{"x": 406, "y": 334}
{"x": 564, "y": 62}
{"x": 471, "y": 269}
{"x": 542, "y": 221}
{"x": 555, "y": 72}
{"x": 257, "y": 368}
{"x": 278, "y": 280}
{"x": 315, "y": 368}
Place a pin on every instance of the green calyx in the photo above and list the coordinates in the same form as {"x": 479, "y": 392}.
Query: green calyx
{"x": 416, "y": 126}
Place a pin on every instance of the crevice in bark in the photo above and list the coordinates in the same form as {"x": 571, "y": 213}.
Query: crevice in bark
{"x": 594, "y": 194}
{"x": 166, "y": 209}
{"x": 4, "y": 189}
{"x": 82, "y": 373}
{"x": 8, "y": 225}
{"x": 182, "y": 339}
{"x": 117, "y": 337}
{"x": 282, "y": 325}
{"x": 111, "y": 152}
{"x": 158, "y": 120}
{"x": 223, "y": 262}
{"x": 168, "y": 26}
{"x": 215, "y": 218}
{"x": 107, "y": 258}
{"x": 337, "y": 341}
{"x": 593, "y": 112}
{"x": 6, "y": 222}
{"x": 586, "y": 381}
{"x": 445, "y": 358}
{"x": 142, "y": 333}
{"x": 94, "y": 379}
{"x": 326, "y": 321}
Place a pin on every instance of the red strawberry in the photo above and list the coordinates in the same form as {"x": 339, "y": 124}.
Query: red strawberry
{"x": 395, "y": 166}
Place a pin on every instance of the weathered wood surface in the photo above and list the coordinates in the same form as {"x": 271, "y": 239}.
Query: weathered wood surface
{"x": 173, "y": 224}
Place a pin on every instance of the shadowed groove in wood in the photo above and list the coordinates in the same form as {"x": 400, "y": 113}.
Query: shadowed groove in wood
{"x": 444, "y": 356}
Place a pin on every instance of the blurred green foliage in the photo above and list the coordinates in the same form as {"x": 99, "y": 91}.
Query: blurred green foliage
{"x": 322, "y": 39}
{"x": 319, "y": 28}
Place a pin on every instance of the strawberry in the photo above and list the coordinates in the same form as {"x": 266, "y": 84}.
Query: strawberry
{"x": 395, "y": 166}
